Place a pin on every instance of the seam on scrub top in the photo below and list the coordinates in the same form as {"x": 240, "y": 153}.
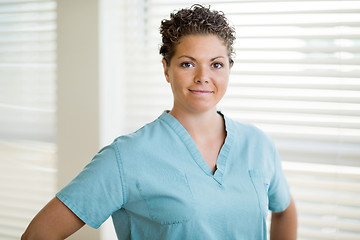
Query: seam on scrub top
{"x": 186, "y": 139}
{"x": 79, "y": 213}
{"x": 122, "y": 176}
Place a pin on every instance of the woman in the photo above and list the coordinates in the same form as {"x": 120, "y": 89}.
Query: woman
{"x": 192, "y": 173}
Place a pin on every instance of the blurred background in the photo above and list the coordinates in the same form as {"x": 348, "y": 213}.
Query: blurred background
{"x": 75, "y": 74}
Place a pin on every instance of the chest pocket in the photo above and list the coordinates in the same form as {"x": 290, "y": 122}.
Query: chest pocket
{"x": 167, "y": 196}
{"x": 261, "y": 183}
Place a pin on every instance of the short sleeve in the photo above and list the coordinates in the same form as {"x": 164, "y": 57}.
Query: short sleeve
{"x": 279, "y": 192}
{"x": 97, "y": 191}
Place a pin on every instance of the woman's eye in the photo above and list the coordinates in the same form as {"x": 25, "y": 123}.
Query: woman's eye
{"x": 217, "y": 65}
{"x": 186, "y": 64}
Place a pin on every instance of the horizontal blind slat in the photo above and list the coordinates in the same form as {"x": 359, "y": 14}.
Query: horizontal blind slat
{"x": 27, "y": 111}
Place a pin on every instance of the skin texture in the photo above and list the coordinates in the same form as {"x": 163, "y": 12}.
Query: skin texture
{"x": 284, "y": 224}
{"x": 55, "y": 221}
{"x": 198, "y": 74}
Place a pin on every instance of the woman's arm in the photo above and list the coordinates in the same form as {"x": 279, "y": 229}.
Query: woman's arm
{"x": 55, "y": 221}
{"x": 284, "y": 224}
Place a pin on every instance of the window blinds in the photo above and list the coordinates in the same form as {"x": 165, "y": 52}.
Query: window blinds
{"x": 27, "y": 111}
{"x": 295, "y": 76}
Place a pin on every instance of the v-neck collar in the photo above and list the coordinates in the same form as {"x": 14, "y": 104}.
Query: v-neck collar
{"x": 194, "y": 151}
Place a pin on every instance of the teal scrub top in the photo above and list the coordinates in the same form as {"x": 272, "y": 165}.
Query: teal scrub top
{"x": 156, "y": 185}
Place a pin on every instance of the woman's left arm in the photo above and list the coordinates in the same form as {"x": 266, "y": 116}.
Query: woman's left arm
{"x": 284, "y": 224}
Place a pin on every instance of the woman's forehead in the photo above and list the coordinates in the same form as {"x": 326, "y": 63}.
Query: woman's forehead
{"x": 207, "y": 45}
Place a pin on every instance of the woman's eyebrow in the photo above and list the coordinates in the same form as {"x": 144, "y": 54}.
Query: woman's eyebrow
{"x": 217, "y": 58}
{"x": 186, "y": 56}
{"x": 193, "y": 59}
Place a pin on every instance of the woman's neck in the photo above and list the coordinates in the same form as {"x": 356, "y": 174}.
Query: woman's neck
{"x": 202, "y": 125}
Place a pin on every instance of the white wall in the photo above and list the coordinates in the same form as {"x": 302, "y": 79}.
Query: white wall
{"x": 89, "y": 89}
{"x": 111, "y": 86}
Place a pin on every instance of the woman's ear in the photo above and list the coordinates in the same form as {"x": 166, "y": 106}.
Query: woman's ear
{"x": 166, "y": 69}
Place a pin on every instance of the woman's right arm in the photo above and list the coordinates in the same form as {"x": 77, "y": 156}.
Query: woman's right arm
{"x": 55, "y": 221}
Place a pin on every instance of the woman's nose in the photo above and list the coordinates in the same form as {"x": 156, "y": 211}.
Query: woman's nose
{"x": 202, "y": 75}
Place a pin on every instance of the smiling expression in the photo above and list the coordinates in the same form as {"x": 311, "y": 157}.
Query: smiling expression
{"x": 198, "y": 73}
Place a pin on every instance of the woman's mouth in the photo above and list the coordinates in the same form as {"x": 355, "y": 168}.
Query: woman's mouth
{"x": 200, "y": 92}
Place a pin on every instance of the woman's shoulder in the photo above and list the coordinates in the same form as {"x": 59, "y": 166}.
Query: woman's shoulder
{"x": 244, "y": 127}
{"x": 248, "y": 131}
{"x": 148, "y": 132}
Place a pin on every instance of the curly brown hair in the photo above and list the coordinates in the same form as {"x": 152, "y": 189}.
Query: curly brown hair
{"x": 195, "y": 20}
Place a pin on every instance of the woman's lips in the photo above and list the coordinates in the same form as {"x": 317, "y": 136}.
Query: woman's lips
{"x": 200, "y": 92}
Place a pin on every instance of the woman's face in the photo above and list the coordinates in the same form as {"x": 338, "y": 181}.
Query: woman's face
{"x": 198, "y": 73}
